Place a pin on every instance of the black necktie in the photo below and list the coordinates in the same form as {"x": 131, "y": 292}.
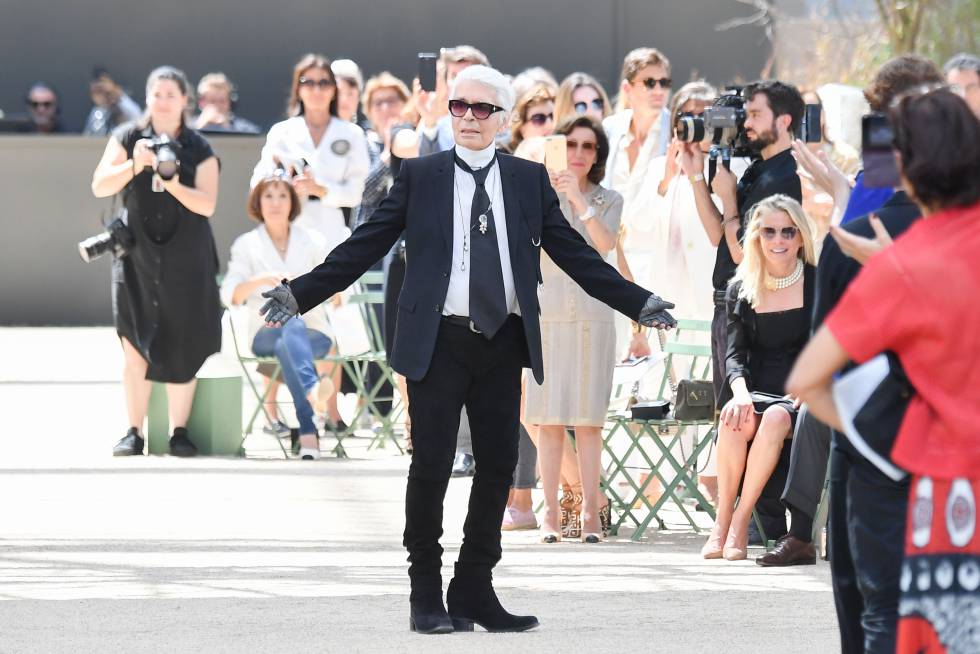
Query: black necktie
{"x": 488, "y": 304}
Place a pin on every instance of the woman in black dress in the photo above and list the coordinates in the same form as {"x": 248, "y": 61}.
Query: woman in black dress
{"x": 164, "y": 292}
{"x": 769, "y": 306}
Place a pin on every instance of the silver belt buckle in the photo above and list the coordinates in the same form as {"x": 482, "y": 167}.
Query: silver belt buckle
{"x": 474, "y": 329}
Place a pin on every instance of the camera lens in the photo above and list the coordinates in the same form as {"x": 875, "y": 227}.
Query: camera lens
{"x": 166, "y": 163}
{"x": 95, "y": 246}
{"x": 690, "y": 129}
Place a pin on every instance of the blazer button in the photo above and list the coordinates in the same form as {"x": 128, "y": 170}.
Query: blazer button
{"x": 438, "y": 308}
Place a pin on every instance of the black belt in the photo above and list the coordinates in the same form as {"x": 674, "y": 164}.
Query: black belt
{"x": 719, "y": 297}
{"x": 461, "y": 321}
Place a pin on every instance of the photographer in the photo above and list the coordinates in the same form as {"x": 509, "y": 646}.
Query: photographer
{"x": 773, "y": 111}
{"x": 165, "y": 301}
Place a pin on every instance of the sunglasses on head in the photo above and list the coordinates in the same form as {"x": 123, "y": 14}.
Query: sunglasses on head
{"x": 540, "y": 119}
{"x": 40, "y": 104}
{"x": 481, "y": 110}
{"x": 588, "y": 146}
{"x": 582, "y": 107}
{"x": 788, "y": 233}
{"x": 318, "y": 83}
{"x": 651, "y": 82}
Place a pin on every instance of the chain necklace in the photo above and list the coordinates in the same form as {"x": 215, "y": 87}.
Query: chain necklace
{"x": 779, "y": 283}
{"x": 462, "y": 218}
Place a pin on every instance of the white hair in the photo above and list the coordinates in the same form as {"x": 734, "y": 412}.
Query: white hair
{"x": 491, "y": 78}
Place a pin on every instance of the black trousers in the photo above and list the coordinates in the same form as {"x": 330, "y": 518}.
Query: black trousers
{"x": 807, "y": 463}
{"x": 485, "y": 377}
{"x": 866, "y": 543}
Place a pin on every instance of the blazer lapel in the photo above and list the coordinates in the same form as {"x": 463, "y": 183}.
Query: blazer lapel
{"x": 443, "y": 188}
{"x": 512, "y": 205}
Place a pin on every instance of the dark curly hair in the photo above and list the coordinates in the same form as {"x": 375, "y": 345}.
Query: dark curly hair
{"x": 897, "y": 76}
{"x": 598, "y": 170}
{"x": 938, "y": 139}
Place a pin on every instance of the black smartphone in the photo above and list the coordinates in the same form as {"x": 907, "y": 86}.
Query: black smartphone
{"x": 427, "y": 70}
{"x": 810, "y": 131}
{"x": 877, "y": 154}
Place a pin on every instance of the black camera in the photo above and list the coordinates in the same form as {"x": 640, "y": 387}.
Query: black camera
{"x": 116, "y": 239}
{"x": 877, "y": 152}
{"x": 724, "y": 122}
{"x": 168, "y": 156}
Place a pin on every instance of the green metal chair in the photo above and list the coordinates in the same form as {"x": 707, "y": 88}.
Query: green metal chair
{"x": 635, "y": 447}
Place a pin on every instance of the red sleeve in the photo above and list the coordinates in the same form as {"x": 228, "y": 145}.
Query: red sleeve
{"x": 875, "y": 310}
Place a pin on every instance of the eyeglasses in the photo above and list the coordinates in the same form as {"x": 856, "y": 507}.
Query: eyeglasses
{"x": 597, "y": 104}
{"x": 588, "y": 146}
{"x": 481, "y": 110}
{"x": 540, "y": 119}
{"x": 651, "y": 82}
{"x": 321, "y": 84}
{"x": 42, "y": 104}
{"x": 788, "y": 233}
{"x": 386, "y": 102}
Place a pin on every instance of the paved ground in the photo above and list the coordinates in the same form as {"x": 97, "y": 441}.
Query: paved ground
{"x": 263, "y": 555}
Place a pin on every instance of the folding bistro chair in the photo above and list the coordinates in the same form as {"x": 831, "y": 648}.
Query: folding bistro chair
{"x": 634, "y": 447}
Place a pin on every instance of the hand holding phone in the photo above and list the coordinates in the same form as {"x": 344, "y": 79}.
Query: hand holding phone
{"x": 427, "y": 71}
{"x": 556, "y": 153}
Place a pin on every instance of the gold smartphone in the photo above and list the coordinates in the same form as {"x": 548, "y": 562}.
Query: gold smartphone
{"x": 555, "y": 153}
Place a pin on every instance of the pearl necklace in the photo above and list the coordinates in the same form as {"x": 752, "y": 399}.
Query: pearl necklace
{"x": 779, "y": 283}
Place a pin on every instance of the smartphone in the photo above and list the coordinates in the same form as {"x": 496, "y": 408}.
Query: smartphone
{"x": 877, "y": 154}
{"x": 810, "y": 131}
{"x": 555, "y": 153}
{"x": 427, "y": 70}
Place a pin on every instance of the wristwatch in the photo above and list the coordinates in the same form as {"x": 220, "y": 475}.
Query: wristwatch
{"x": 694, "y": 179}
{"x": 588, "y": 215}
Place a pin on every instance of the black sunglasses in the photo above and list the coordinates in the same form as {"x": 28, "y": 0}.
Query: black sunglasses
{"x": 587, "y": 146}
{"x": 321, "y": 83}
{"x": 46, "y": 104}
{"x": 788, "y": 233}
{"x": 481, "y": 110}
{"x": 540, "y": 119}
{"x": 597, "y": 104}
{"x": 651, "y": 82}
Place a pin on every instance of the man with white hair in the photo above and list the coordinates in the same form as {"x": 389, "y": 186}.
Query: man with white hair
{"x": 475, "y": 222}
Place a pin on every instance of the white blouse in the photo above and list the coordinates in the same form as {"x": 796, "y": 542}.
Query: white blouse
{"x": 253, "y": 253}
{"x": 340, "y": 163}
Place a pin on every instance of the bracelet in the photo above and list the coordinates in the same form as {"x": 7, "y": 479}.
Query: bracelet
{"x": 694, "y": 179}
{"x": 733, "y": 219}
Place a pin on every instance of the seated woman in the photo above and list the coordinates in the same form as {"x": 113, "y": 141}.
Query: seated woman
{"x": 769, "y": 306}
{"x": 260, "y": 259}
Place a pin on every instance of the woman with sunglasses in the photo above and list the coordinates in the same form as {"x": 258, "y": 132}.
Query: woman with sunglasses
{"x": 580, "y": 94}
{"x": 327, "y": 156}
{"x": 770, "y": 302}
{"x": 534, "y": 115}
{"x": 578, "y": 334}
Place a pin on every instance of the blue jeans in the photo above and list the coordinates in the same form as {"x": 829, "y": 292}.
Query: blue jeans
{"x": 295, "y": 347}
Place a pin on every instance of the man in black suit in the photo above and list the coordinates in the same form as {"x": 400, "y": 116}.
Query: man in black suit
{"x": 475, "y": 222}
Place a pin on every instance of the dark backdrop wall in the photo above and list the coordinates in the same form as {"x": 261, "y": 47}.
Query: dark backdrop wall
{"x": 256, "y": 42}
{"x": 44, "y": 181}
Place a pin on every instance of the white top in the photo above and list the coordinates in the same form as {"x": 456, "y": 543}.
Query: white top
{"x": 340, "y": 163}
{"x": 253, "y": 253}
{"x": 683, "y": 258}
{"x": 458, "y": 297}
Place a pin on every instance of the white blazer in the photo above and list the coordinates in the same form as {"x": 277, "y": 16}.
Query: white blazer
{"x": 340, "y": 163}
{"x": 253, "y": 253}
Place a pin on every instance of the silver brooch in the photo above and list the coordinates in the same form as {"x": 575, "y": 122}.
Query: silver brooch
{"x": 340, "y": 147}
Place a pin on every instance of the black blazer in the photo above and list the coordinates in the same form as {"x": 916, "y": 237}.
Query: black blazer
{"x": 420, "y": 203}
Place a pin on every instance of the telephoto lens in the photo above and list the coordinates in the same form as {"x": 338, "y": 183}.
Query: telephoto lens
{"x": 116, "y": 239}
{"x": 690, "y": 128}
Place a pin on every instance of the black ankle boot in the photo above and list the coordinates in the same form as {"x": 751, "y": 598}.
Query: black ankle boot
{"x": 428, "y": 614}
{"x": 472, "y": 600}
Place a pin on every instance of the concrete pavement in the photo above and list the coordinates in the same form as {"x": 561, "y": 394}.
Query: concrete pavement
{"x": 157, "y": 554}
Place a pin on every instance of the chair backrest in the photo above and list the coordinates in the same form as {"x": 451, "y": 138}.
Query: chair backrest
{"x": 368, "y": 303}
{"x": 689, "y": 343}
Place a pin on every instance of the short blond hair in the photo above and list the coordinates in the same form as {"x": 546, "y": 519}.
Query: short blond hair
{"x": 215, "y": 81}
{"x": 638, "y": 59}
{"x": 383, "y": 80}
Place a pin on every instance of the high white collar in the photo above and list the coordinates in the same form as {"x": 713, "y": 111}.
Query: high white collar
{"x": 476, "y": 159}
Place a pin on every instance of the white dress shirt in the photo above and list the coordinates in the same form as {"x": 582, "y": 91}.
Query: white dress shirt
{"x": 458, "y": 297}
{"x": 340, "y": 163}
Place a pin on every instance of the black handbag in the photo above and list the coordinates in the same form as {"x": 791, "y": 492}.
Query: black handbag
{"x": 654, "y": 410}
{"x": 695, "y": 400}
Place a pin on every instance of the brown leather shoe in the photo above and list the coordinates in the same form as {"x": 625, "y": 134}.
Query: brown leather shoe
{"x": 790, "y": 550}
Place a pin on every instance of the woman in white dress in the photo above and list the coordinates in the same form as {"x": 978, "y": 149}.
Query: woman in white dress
{"x": 260, "y": 259}
{"x": 328, "y": 155}
{"x": 578, "y": 334}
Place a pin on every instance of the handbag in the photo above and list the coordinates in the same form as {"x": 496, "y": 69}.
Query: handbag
{"x": 653, "y": 410}
{"x": 695, "y": 400}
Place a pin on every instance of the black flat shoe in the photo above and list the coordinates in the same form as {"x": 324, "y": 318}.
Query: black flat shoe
{"x": 474, "y": 602}
{"x": 129, "y": 445}
{"x": 429, "y": 616}
{"x": 180, "y": 444}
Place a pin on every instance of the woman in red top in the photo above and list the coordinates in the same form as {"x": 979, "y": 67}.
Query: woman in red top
{"x": 918, "y": 299}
